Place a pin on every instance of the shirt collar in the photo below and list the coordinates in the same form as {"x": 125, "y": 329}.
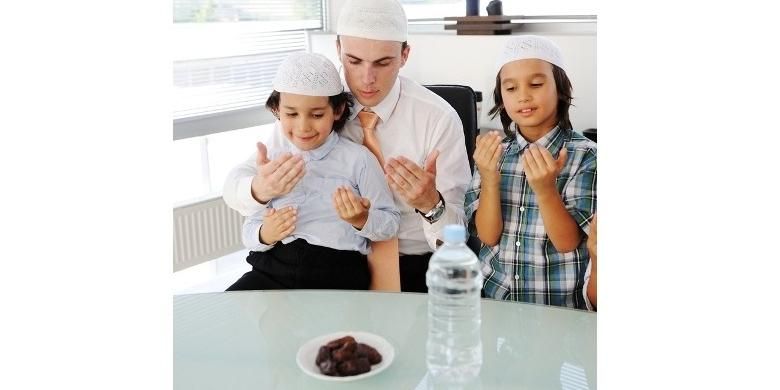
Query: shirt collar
{"x": 386, "y": 106}
{"x": 320, "y": 152}
{"x": 554, "y": 140}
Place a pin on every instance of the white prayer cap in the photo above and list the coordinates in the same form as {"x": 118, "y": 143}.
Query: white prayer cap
{"x": 530, "y": 46}
{"x": 382, "y": 20}
{"x": 308, "y": 74}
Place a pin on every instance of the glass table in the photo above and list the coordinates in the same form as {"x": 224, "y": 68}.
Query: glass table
{"x": 249, "y": 340}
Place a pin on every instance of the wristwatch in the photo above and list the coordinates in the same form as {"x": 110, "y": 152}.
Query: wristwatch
{"x": 436, "y": 212}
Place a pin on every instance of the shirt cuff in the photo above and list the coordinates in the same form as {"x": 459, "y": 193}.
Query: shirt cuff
{"x": 244, "y": 196}
{"x": 377, "y": 227}
{"x": 433, "y": 231}
{"x": 260, "y": 247}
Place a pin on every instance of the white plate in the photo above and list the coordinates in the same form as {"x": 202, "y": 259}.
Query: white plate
{"x": 307, "y": 354}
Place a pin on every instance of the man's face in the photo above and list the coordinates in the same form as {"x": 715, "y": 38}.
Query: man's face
{"x": 370, "y": 67}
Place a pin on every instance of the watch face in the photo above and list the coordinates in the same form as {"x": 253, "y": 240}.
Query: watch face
{"x": 435, "y": 213}
{"x": 434, "y": 210}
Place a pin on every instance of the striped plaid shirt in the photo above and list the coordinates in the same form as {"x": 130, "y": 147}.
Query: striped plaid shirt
{"x": 525, "y": 266}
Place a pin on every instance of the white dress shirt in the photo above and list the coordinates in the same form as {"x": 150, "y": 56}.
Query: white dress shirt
{"x": 413, "y": 122}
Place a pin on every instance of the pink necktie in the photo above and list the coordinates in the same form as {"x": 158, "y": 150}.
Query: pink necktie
{"x": 368, "y": 121}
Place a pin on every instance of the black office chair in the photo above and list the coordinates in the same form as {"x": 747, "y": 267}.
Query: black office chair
{"x": 464, "y": 100}
{"x": 590, "y": 134}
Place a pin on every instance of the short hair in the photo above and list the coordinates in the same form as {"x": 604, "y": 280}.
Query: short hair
{"x": 343, "y": 99}
{"x": 563, "y": 89}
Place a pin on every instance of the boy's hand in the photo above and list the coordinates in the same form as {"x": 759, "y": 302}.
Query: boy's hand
{"x": 541, "y": 169}
{"x": 277, "y": 177}
{"x": 486, "y": 157}
{"x": 351, "y": 208}
{"x": 277, "y": 225}
{"x": 416, "y": 185}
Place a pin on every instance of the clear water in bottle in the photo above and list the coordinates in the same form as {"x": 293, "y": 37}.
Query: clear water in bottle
{"x": 454, "y": 347}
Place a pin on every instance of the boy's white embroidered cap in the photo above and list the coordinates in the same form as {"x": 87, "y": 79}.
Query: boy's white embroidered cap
{"x": 382, "y": 20}
{"x": 530, "y": 46}
{"x": 308, "y": 74}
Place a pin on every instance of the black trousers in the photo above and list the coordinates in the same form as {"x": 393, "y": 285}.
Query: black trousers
{"x": 300, "y": 265}
{"x": 413, "y": 269}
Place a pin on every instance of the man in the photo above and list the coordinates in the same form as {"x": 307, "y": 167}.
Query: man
{"x": 416, "y": 135}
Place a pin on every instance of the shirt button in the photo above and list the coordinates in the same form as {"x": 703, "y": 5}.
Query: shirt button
{"x": 517, "y": 277}
{"x": 517, "y": 243}
{"x": 522, "y": 208}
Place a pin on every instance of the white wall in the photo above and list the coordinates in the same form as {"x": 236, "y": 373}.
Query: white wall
{"x": 446, "y": 58}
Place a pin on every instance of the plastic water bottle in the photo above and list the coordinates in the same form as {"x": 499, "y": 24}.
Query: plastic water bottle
{"x": 454, "y": 347}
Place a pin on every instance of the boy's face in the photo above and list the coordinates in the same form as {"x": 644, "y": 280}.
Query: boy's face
{"x": 306, "y": 120}
{"x": 370, "y": 67}
{"x": 530, "y": 97}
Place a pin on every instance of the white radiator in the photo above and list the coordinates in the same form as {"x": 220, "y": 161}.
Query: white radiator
{"x": 204, "y": 231}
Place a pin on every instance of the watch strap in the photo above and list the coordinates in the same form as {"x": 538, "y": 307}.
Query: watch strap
{"x": 435, "y": 213}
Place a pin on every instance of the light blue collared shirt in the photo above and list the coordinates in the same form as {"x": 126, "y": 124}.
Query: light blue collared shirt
{"x": 337, "y": 162}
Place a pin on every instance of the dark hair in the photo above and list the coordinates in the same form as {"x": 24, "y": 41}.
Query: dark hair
{"x": 562, "y": 87}
{"x": 335, "y": 101}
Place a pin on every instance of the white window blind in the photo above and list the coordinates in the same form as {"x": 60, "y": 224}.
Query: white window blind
{"x": 225, "y": 54}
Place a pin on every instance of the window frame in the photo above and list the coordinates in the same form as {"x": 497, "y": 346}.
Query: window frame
{"x": 241, "y": 118}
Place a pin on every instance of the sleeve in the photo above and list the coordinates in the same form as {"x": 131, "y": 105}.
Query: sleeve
{"x": 452, "y": 175}
{"x": 237, "y": 191}
{"x": 250, "y": 232}
{"x": 579, "y": 193}
{"x": 472, "y": 202}
{"x": 384, "y": 218}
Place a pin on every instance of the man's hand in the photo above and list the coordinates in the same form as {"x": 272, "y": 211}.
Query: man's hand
{"x": 486, "y": 157}
{"x": 277, "y": 225}
{"x": 541, "y": 169}
{"x": 277, "y": 177}
{"x": 350, "y": 207}
{"x": 415, "y": 185}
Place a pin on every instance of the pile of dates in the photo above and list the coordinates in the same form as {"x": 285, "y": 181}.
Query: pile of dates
{"x": 346, "y": 357}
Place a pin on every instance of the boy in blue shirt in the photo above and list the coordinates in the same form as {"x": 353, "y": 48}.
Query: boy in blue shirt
{"x": 315, "y": 233}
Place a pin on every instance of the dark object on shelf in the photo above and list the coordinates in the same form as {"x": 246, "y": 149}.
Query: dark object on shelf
{"x": 483, "y": 25}
{"x": 472, "y": 7}
{"x": 494, "y": 7}
{"x": 590, "y": 134}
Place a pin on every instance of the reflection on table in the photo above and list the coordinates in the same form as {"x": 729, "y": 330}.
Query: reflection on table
{"x": 249, "y": 339}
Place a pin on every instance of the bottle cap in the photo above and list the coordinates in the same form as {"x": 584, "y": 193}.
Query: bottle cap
{"x": 454, "y": 234}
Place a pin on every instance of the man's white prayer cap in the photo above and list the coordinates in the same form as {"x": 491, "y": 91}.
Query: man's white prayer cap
{"x": 530, "y": 46}
{"x": 382, "y": 20}
{"x": 308, "y": 74}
